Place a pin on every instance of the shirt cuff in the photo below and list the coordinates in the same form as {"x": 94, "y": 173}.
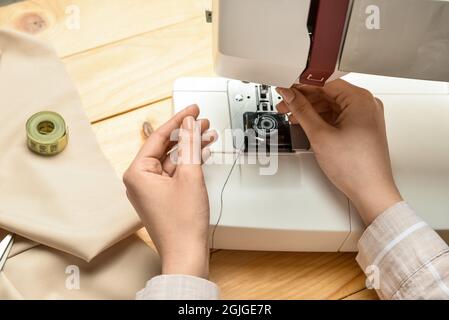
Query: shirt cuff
{"x": 395, "y": 247}
{"x": 179, "y": 287}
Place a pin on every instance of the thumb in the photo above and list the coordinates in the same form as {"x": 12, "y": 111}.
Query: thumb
{"x": 189, "y": 158}
{"x": 303, "y": 111}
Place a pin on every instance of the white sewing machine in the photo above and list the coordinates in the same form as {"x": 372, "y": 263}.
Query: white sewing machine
{"x": 282, "y": 42}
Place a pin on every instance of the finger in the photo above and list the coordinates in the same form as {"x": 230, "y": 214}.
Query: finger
{"x": 292, "y": 119}
{"x": 319, "y": 104}
{"x": 303, "y": 111}
{"x": 189, "y": 160}
{"x": 306, "y": 87}
{"x": 151, "y": 165}
{"x": 380, "y": 103}
{"x": 170, "y": 163}
{"x": 207, "y": 137}
{"x": 323, "y": 107}
{"x": 343, "y": 92}
{"x": 157, "y": 144}
{"x": 282, "y": 107}
{"x": 205, "y": 155}
{"x": 337, "y": 87}
{"x": 174, "y": 139}
{"x": 329, "y": 117}
{"x": 312, "y": 93}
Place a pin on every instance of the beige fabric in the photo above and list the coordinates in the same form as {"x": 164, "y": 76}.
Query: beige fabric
{"x": 72, "y": 203}
{"x": 411, "y": 259}
{"x": 46, "y": 273}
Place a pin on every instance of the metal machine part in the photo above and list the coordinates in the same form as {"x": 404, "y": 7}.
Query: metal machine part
{"x": 253, "y": 111}
{"x": 266, "y": 132}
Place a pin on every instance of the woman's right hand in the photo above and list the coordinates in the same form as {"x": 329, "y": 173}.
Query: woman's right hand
{"x": 346, "y": 128}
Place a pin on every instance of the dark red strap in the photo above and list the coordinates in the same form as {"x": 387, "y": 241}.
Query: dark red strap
{"x": 327, "y": 38}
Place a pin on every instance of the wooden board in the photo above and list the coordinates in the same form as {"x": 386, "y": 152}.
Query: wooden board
{"x": 123, "y": 60}
{"x": 138, "y": 71}
{"x": 364, "y": 294}
{"x": 100, "y": 21}
{"x": 121, "y": 137}
{"x": 131, "y": 68}
{"x": 275, "y": 275}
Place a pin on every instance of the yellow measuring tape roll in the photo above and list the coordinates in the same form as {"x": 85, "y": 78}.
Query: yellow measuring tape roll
{"x": 46, "y": 133}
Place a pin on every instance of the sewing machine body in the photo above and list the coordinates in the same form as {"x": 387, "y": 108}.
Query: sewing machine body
{"x": 281, "y": 42}
{"x": 296, "y": 208}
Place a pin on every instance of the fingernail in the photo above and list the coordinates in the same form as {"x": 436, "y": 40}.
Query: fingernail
{"x": 205, "y": 155}
{"x": 214, "y": 136}
{"x": 288, "y": 95}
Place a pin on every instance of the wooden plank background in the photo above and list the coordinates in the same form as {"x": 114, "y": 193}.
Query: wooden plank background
{"x": 123, "y": 59}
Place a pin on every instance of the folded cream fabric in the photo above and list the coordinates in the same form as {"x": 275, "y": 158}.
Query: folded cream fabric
{"x": 35, "y": 271}
{"x": 65, "y": 209}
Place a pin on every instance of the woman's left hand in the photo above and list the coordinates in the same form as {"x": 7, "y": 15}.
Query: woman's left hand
{"x": 170, "y": 196}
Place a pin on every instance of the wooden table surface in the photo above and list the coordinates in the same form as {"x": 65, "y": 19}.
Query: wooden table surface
{"x": 123, "y": 57}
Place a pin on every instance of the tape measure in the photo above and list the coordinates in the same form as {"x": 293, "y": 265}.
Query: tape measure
{"x": 47, "y": 133}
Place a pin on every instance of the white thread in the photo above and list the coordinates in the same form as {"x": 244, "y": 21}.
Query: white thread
{"x": 398, "y": 239}
{"x": 221, "y": 197}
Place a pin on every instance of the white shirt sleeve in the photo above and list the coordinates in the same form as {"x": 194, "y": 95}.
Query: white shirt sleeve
{"x": 403, "y": 257}
{"x": 179, "y": 287}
